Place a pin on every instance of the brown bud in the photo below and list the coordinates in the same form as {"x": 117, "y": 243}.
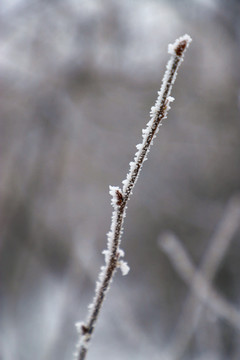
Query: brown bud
{"x": 84, "y": 329}
{"x": 119, "y": 197}
{"x": 180, "y": 48}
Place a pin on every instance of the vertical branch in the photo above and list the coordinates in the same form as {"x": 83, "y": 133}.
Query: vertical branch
{"x": 120, "y": 197}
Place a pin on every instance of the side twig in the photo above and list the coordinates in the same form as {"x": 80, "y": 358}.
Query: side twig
{"x": 216, "y": 251}
{"x": 120, "y": 197}
{"x": 198, "y": 284}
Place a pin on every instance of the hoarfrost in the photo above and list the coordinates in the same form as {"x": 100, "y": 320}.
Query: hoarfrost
{"x": 120, "y": 197}
{"x": 79, "y": 326}
{"x": 177, "y": 51}
{"x": 123, "y": 267}
{"x": 106, "y": 253}
{"x": 90, "y": 306}
{"x": 115, "y": 192}
{"x": 121, "y": 253}
{"x": 172, "y": 47}
{"x": 171, "y": 98}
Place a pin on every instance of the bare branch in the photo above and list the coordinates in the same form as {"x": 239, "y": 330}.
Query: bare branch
{"x": 219, "y": 244}
{"x": 221, "y": 238}
{"x": 201, "y": 287}
{"x": 120, "y": 197}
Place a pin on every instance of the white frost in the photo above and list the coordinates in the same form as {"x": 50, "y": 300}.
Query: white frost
{"x": 113, "y": 190}
{"x": 121, "y": 253}
{"x": 106, "y": 253}
{"x": 172, "y": 47}
{"x": 90, "y": 306}
{"x": 123, "y": 267}
{"x": 118, "y": 196}
{"x": 79, "y": 326}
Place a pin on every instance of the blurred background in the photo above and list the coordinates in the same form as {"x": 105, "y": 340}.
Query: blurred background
{"x": 77, "y": 81}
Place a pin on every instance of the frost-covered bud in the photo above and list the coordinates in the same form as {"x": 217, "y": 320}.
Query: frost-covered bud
{"x": 117, "y": 196}
{"x": 81, "y": 327}
{"x": 180, "y": 45}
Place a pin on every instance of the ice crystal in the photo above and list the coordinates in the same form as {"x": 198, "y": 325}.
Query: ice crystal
{"x": 123, "y": 267}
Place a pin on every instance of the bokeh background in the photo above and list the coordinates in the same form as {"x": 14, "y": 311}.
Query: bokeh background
{"x": 77, "y": 81}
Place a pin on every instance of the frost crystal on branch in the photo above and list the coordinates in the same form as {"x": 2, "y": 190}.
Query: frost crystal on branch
{"x": 158, "y": 111}
{"x": 123, "y": 267}
{"x": 120, "y": 197}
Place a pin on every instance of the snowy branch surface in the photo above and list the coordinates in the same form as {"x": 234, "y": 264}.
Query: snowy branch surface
{"x": 120, "y": 197}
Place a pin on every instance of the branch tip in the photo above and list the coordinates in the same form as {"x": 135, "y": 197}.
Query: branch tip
{"x": 180, "y": 45}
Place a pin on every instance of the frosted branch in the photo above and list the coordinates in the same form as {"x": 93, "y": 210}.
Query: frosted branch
{"x": 120, "y": 197}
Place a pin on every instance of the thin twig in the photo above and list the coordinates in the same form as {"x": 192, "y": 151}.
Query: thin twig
{"x": 120, "y": 197}
{"x": 196, "y": 281}
{"x": 221, "y": 238}
{"x": 192, "y": 310}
